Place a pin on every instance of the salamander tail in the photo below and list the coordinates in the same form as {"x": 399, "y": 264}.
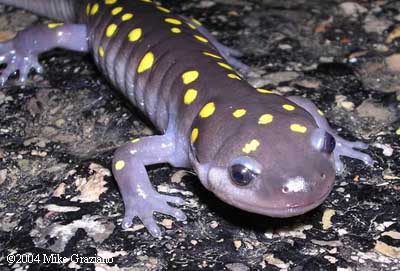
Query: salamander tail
{"x": 61, "y": 10}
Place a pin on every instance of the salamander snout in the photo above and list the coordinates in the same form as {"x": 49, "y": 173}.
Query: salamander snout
{"x": 278, "y": 180}
{"x": 299, "y": 194}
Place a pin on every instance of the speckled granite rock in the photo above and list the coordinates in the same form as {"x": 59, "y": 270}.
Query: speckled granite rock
{"x": 57, "y": 136}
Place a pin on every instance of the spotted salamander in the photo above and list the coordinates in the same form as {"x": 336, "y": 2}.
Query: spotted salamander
{"x": 255, "y": 150}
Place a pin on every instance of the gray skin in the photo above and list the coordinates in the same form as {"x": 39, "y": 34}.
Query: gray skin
{"x": 288, "y": 173}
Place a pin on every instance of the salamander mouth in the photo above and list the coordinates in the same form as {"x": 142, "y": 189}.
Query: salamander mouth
{"x": 290, "y": 211}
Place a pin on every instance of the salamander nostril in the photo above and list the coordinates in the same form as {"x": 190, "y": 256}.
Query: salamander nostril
{"x": 323, "y": 176}
{"x": 285, "y": 189}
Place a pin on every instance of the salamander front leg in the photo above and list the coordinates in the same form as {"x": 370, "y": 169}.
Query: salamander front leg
{"x": 21, "y": 53}
{"x": 140, "y": 198}
{"x": 343, "y": 147}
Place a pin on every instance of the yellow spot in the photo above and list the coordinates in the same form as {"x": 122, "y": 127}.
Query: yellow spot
{"x": 207, "y": 110}
{"x": 101, "y": 51}
{"x": 135, "y": 140}
{"x": 190, "y": 96}
{"x": 264, "y": 91}
{"x": 288, "y": 107}
{"x": 173, "y": 21}
{"x": 196, "y": 21}
{"x": 147, "y": 1}
{"x": 146, "y": 62}
{"x": 320, "y": 113}
{"x": 135, "y": 34}
{"x": 111, "y": 29}
{"x": 110, "y": 2}
{"x": 190, "y": 77}
{"x": 95, "y": 9}
{"x": 88, "y": 7}
{"x": 200, "y": 38}
{"x": 234, "y": 76}
{"x": 54, "y": 25}
{"x": 224, "y": 65}
{"x": 298, "y": 128}
{"x": 163, "y": 9}
{"x": 265, "y": 119}
{"x": 398, "y": 131}
{"x": 191, "y": 26}
{"x": 119, "y": 165}
{"x": 238, "y": 113}
{"x": 195, "y": 135}
{"x": 251, "y": 146}
{"x": 126, "y": 17}
{"x": 116, "y": 11}
{"x": 175, "y": 30}
{"x": 212, "y": 55}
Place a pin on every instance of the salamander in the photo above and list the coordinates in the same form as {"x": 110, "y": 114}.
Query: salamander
{"x": 258, "y": 151}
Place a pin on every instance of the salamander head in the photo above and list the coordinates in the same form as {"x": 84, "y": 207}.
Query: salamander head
{"x": 271, "y": 161}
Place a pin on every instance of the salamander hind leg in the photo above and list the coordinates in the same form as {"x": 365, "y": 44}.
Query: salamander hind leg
{"x": 229, "y": 54}
{"x": 21, "y": 53}
{"x": 342, "y": 147}
{"x": 140, "y": 198}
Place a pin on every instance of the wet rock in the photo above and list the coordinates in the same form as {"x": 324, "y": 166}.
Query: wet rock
{"x": 352, "y": 9}
{"x": 308, "y": 83}
{"x": 272, "y": 260}
{"x": 342, "y": 102}
{"x": 96, "y": 227}
{"x": 376, "y": 112}
{"x": 327, "y": 218}
{"x": 387, "y": 150}
{"x": 3, "y": 176}
{"x": 275, "y": 78}
{"x": 388, "y": 250}
{"x": 2, "y": 98}
{"x": 8, "y": 223}
{"x": 393, "y": 63}
{"x": 376, "y": 25}
{"x": 91, "y": 188}
{"x": 394, "y": 34}
{"x": 237, "y": 244}
{"x": 237, "y": 267}
{"x": 375, "y": 74}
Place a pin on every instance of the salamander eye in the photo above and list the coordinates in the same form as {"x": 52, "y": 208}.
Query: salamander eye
{"x": 241, "y": 175}
{"x": 323, "y": 141}
{"x": 243, "y": 170}
{"x": 329, "y": 143}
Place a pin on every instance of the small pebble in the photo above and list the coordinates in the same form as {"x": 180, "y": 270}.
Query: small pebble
{"x": 237, "y": 267}
{"x": 393, "y": 63}
{"x": 3, "y": 176}
{"x": 393, "y": 35}
{"x": 237, "y": 244}
{"x": 343, "y": 103}
{"x": 214, "y": 224}
{"x": 372, "y": 24}
{"x": 167, "y": 223}
{"x": 387, "y": 150}
{"x": 326, "y": 218}
{"x": 352, "y": 9}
